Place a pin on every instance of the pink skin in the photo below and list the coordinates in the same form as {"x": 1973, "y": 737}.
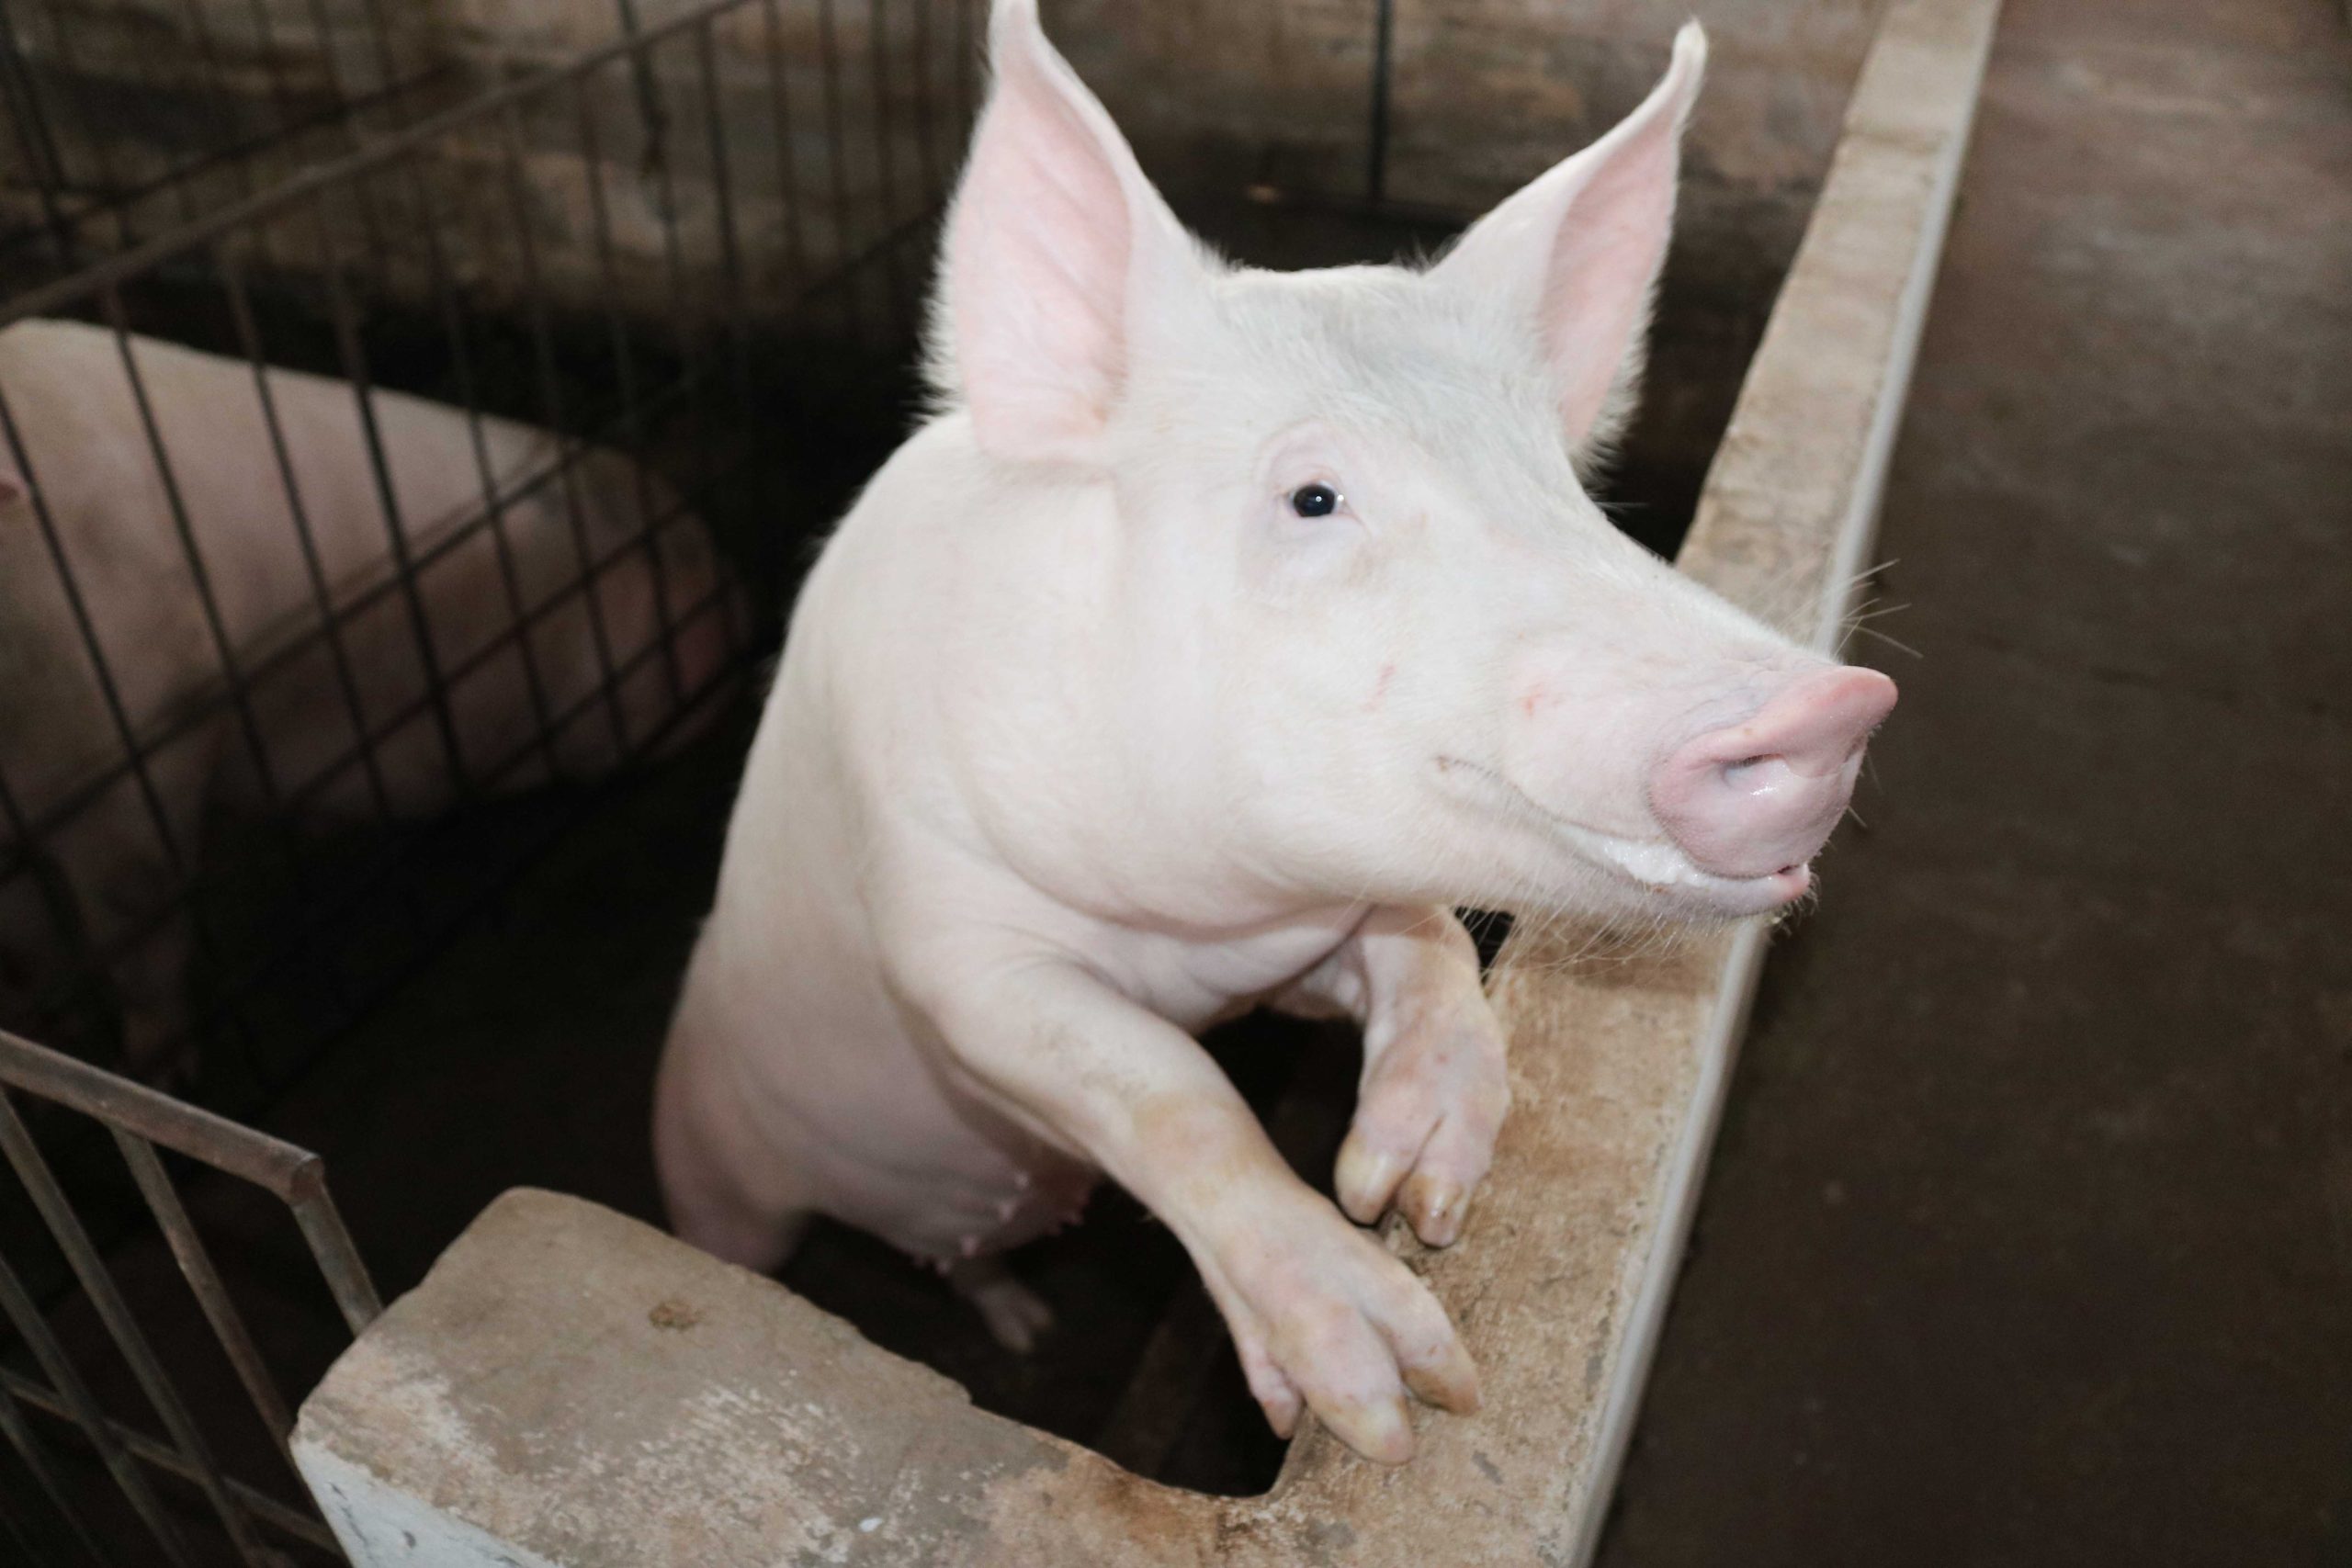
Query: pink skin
{"x": 1089, "y": 732}
{"x": 1759, "y": 798}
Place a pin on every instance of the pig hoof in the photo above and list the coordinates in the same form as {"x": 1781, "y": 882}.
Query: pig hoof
{"x": 1015, "y": 1313}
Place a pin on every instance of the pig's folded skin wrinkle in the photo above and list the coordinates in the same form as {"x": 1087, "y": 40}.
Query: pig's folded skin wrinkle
{"x": 1223, "y": 632}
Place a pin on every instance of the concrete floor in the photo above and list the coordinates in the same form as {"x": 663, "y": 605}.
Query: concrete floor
{"x": 2029, "y": 1238}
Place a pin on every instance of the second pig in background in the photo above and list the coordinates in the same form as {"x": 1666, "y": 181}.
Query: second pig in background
{"x": 211, "y": 595}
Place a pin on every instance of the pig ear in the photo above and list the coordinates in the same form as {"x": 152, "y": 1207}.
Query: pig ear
{"x": 1054, "y": 233}
{"x": 1577, "y": 253}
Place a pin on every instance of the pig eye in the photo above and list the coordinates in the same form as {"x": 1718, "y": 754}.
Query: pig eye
{"x": 1315, "y": 500}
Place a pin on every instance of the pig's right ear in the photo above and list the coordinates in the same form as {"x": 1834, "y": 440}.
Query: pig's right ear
{"x": 1054, "y": 236}
{"x": 1575, "y": 254}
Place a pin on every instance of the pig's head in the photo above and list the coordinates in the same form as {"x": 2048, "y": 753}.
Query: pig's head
{"x": 1371, "y": 633}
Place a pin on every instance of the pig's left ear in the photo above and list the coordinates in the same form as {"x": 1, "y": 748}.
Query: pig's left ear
{"x": 1059, "y": 256}
{"x": 1576, "y": 253}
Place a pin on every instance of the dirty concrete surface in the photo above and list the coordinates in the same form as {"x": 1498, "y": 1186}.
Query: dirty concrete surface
{"x": 2029, "y": 1237}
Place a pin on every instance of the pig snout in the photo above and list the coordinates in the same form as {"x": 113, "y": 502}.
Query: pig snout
{"x": 1760, "y": 796}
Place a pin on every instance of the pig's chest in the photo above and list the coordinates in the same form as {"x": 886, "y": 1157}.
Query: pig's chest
{"x": 1194, "y": 982}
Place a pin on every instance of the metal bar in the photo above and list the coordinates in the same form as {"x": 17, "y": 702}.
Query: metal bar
{"x": 204, "y": 1280}
{"x": 730, "y": 261}
{"x": 37, "y": 1458}
{"x": 305, "y": 185}
{"x": 87, "y": 629}
{"x": 648, "y": 96}
{"x": 356, "y": 372}
{"x": 787, "y": 161}
{"x": 968, "y": 66}
{"x": 543, "y": 354}
{"x": 120, "y": 198}
{"x": 338, "y": 1259}
{"x": 836, "y": 135}
{"x": 61, "y": 40}
{"x": 223, "y": 646}
{"x": 65, "y": 1225}
{"x": 306, "y": 537}
{"x": 82, "y": 1409}
{"x": 200, "y": 32}
{"x": 885, "y": 164}
{"x": 261, "y": 1505}
{"x": 268, "y": 1163}
{"x": 1384, "y": 38}
{"x": 493, "y": 508}
{"x": 926, "y": 154}
{"x": 680, "y": 310}
{"x": 33, "y": 134}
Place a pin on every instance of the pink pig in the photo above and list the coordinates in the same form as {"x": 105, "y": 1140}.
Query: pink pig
{"x": 117, "y": 857}
{"x": 1221, "y": 633}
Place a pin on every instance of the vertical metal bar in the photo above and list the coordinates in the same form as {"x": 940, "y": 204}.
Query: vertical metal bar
{"x": 731, "y": 264}
{"x": 1384, "y": 38}
{"x": 111, "y": 694}
{"x": 265, "y": 46}
{"x": 926, "y": 154}
{"x": 648, "y": 96}
{"x": 674, "y": 259}
{"x": 369, "y": 223}
{"x": 108, "y": 181}
{"x": 885, "y": 164}
{"x": 223, "y": 646}
{"x": 354, "y": 369}
{"x": 38, "y": 1460}
{"x": 493, "y": 504}
{"x": 33, "y": 1170}
{"x": 786, "y": 159}
{"x": 18, "y": 838}
{"x": 204, "y": 1280}
{"x": 550, "y": 397}
{"x": 17, "y": 1305}
{"x": 386, "y": 68}
{"x": 829, "y": 56}
{"x": 306, "y": 538}
{"x": 967, "y": 67}
{"x": 33, "y": 135}
{"x": 200, "y": 32}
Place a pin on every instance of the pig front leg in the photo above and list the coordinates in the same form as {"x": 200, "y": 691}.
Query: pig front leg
{"x": 1320, "y": 1314}
{"x": 1435, "y": 1085}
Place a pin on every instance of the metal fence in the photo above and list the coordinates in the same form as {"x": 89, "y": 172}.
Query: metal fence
{"x": 140, "y": 1122}
{"x": 613, "y": 271}
{"x": 122, "y": 120}
{"x": 581, "y": 249}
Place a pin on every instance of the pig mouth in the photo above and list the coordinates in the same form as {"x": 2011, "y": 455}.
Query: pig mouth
{"x": 1658, "y": 866}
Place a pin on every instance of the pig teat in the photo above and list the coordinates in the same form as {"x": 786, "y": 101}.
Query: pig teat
{"x": 1760, "y": 796}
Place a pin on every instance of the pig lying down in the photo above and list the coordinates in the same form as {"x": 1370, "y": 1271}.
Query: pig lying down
{"x": 1223, "y": 632}
{"x": 335, "y": 730}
